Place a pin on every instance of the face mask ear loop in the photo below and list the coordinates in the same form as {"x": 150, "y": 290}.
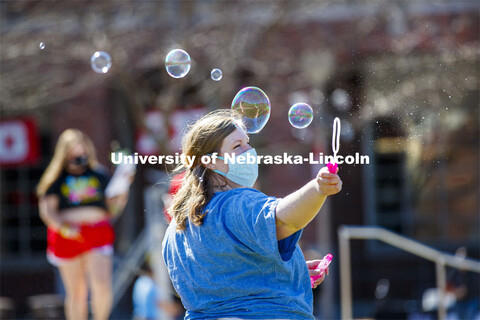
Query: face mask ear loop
{"x": 202, "y": 175}
{"x": 336, "y": 137}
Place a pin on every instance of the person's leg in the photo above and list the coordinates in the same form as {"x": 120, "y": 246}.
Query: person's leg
{"x": 99, "y": 271}
{"x": 75, "y": 283}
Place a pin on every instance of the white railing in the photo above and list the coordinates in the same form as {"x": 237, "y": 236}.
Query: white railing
{"x": 441, "y": 260}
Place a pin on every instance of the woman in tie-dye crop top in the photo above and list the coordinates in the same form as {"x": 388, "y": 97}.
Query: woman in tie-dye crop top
{"x": 80, "y": 235}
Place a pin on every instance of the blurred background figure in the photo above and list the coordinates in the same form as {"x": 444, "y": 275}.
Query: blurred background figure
{"x": 77, "y": 213}
{"x": 149, "y": 302}
{"x": 464, "y": 287}
{"x": 175, "y": 184}
{"x": 461, "y": 295}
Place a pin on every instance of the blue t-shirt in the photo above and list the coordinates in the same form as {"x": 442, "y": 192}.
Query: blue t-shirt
{"x": 233, "y": 266}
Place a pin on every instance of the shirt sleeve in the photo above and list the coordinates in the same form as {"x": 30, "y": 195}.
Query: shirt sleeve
{"x": 287, "y": 246}
{"x": 250, "y": 218}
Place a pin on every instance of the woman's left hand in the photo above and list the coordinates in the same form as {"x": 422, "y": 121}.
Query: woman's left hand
{"x": 117, "y": 203}
{"x": 312, "y": 271}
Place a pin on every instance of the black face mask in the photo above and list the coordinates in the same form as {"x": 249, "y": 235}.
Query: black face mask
{"x": 80, "y": 161}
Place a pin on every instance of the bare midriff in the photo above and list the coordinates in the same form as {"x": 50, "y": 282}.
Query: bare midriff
{"x": 84, "y": 215}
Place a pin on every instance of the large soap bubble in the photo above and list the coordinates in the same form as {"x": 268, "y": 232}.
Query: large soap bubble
{"x": 178, "y": 63}
{"x": 254, "y": 107}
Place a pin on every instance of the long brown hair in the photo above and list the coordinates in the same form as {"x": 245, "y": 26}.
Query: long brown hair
{"x": 67, "y": 140}
{"x": 204, "y": 137}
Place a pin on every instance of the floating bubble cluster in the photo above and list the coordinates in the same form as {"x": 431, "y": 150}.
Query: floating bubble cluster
{"x": 254, "y": 107}
{"x": 178, "y": 63}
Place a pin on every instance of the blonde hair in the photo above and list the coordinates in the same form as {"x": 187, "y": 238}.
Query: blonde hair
{"x": 203, "y": 137}
{"x": 67, "y": 140}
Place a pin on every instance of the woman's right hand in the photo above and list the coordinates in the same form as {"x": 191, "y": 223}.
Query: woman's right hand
{"x": 328, "y": 183}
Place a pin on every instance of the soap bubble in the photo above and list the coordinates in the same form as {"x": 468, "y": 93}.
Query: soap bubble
{"x": 178, "y": 63}
{"x": 41, "y": 45}
{"x": 101, "y": 62}
{"x": 254, "y": 107}
{"x": 216, "y": 74}
{"x": 300, "y": 115}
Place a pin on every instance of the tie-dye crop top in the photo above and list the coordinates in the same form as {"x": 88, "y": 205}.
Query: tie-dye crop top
{"x": 86, "y": 189}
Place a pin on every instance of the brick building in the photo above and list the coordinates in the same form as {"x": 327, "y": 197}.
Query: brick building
{"x": 402, "y": 76}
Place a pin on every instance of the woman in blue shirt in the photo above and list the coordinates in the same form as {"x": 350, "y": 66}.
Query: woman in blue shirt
{"x": 231, "y": 251}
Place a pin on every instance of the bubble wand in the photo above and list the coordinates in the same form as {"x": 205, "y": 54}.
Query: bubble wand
{"x": 332, "y": 167}
{"x": 322, "y": 266}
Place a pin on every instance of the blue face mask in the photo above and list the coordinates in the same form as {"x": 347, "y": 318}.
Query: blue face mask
{"x": 243, "y": 173}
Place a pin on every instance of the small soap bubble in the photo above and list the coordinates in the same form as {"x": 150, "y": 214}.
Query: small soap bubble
{"x": 216, "y": 74}
{"x": 300, "y": 115}
{"x": 101, "y": 62}
{"x": 41, "y": 45}
{"x": 178, "y": 63}
{"x": 254, "y": 107}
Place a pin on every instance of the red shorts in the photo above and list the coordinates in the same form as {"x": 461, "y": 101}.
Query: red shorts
{"x": 91, "y": 236}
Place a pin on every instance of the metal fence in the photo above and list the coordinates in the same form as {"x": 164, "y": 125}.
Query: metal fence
{"x": 441, "y": 260}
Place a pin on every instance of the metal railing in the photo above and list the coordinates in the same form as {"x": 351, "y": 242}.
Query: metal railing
{"x": 441, "y": 260}
{"x": 126, "y": 271}
{"x": 148, "y": 241}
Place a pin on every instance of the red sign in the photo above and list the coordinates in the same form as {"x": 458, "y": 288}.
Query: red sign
{"x": 19, "y": 143}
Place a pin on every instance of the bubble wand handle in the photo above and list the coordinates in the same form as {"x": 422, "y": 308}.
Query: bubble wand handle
{"x": 332, "y": 167}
